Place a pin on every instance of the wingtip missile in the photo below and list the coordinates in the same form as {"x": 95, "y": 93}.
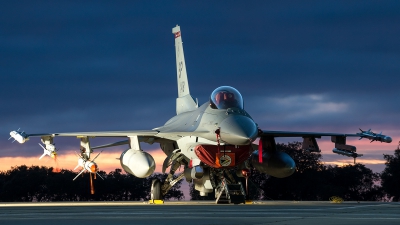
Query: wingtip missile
{"x": 374, "y": 137}
{"x": 19, "y": 136}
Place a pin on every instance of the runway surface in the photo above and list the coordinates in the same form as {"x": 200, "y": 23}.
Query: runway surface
{"x": 192, "y": 213}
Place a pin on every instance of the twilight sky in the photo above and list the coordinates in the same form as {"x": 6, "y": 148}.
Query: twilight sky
{"x": 328, "y": 66}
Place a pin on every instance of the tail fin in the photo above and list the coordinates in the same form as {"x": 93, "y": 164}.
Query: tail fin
{"x": 184, "y": 102}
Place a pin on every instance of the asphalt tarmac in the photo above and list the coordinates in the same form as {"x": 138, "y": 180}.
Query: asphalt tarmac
{"x": 192, "y": 213}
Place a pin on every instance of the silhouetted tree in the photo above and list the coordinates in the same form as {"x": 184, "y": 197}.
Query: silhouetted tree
{"x": 354, "y": 182}
{"x": 390, "y": 176}
{"x": 304, "y": 183}
{"x": 315, "y": 181}
{"x": 24, "y": 184}
{"x": 43, "y": 184}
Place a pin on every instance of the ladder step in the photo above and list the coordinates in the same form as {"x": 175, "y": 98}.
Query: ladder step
{"x": 232, "y": 193}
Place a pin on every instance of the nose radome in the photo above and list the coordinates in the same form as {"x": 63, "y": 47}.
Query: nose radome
{"x": 238, "y": 130}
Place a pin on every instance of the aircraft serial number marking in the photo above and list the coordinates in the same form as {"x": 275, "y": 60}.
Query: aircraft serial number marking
{"x": 180, "y": 68}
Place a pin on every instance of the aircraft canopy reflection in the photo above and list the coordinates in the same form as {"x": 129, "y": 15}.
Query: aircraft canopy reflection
{"x": 226, "y": 97}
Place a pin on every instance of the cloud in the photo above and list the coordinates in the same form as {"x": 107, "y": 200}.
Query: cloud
{"x": 302, "y": 106}
{"x": 328, "y": 66}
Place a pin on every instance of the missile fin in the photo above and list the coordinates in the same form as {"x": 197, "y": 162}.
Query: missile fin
{"x": 42, "y": 156}
{"x": 99, "y": 175}
{"x": 97, "y": 155}
{"x": 42, "y": 147}
{"x": 76, "y": 167}
{"x": 83, "y": 170}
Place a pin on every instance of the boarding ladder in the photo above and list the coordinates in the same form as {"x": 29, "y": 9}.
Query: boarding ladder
{"x": 230, "y": 193}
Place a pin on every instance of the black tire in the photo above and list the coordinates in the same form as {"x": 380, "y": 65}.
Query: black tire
{"x": 156, "y": 190}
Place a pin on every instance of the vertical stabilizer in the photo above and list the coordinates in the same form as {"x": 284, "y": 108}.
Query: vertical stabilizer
{"x": 184, "y": 102}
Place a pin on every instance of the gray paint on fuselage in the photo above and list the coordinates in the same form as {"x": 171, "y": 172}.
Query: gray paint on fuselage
{"x": 203, "y": 119}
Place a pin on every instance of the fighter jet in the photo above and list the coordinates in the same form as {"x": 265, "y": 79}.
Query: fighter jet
{"x": 209, "y": 141}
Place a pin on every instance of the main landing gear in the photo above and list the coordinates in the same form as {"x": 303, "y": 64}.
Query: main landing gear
{"x": 158, "y": 191}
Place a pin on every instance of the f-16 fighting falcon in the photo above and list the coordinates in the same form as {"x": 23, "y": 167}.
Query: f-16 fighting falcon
{"x": 208, "y": 141}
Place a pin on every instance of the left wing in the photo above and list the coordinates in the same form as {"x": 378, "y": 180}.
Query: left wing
{"x": 302, "y": 134}
{"x": 364, "y": 134}
{"x": 310, "y": 144}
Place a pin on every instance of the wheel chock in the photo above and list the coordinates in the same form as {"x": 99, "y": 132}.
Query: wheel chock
{"x": 156, "y": 202}
{"x": 248, "y": 202}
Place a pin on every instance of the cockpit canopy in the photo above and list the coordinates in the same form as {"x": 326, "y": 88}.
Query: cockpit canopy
{"x": 226, "y": 97}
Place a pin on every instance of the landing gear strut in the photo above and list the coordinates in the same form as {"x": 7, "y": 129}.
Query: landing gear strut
{"x": 246, "y": 174}
{"x": 159, "y": 191}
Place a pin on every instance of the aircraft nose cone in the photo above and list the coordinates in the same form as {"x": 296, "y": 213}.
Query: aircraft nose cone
{"x": 238, "y": 130}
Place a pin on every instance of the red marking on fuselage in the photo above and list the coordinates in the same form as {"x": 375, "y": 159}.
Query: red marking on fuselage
{"x": 211, "y": 154}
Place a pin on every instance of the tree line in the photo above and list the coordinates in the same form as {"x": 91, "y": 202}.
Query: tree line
{"x": 314, "y": 181}
{"x": 44, "y": 184}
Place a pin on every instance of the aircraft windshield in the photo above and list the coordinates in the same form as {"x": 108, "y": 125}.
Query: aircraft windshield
{"x": 226, "y": 97}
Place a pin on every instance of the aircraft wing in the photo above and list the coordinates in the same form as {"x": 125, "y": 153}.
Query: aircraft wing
{"x": 303, "y": 134}
{"x": 100, "y": 134}
{"x": 363, "y": 134}
{"x": 22, "y": 137}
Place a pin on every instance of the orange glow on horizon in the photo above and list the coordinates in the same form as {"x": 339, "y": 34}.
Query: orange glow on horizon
{"x": 106, "y": 161}
{"x": 349, "y": 160}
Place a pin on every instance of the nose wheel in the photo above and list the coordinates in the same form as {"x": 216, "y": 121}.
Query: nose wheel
{"x": 156, "y": 190}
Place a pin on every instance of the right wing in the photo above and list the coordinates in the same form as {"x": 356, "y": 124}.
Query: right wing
{"x": 22, "y": 137}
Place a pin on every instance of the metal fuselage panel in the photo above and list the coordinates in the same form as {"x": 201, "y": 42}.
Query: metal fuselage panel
{"x": 205, "y": 121}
